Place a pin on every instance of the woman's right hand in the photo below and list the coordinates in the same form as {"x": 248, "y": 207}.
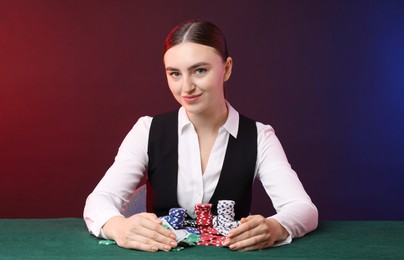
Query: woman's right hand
{"x": 143, "y": 231}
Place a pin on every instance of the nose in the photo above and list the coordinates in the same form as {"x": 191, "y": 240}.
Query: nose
{"x": 188, "y": 85}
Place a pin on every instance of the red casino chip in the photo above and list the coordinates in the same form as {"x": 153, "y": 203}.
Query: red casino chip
{"x": 211, "y": 240}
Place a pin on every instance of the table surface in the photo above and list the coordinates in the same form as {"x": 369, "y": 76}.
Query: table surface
{"x": 68, "y": 239}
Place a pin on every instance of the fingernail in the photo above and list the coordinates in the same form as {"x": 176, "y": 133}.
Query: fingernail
{"x": 167, "y": 248}
{"x": 173, "y": 244}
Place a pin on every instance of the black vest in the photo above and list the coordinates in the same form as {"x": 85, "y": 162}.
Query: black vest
{"x": 236, "y": 177}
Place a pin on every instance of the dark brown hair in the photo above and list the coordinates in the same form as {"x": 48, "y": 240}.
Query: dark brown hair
{"x": 201, "y": 32}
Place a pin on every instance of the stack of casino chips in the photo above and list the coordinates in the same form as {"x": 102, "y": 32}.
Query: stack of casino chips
{"x": 212, "y": 230}
{"x": 176, "y": 217}
{"x": 204, "y": 219}
{"x": 224, "y": 221}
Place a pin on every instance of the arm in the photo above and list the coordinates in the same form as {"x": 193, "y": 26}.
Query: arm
{"x": 103, "y": 212}
{"x": 296, "y": 214}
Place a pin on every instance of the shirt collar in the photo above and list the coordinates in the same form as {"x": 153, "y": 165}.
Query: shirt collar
{"x": 183, "y": 120}
{"x": 231, "y": 124}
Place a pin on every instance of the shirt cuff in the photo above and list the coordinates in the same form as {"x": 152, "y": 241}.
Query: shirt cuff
{"x": 286, "y": 241}
{"x": 102, "y": 235}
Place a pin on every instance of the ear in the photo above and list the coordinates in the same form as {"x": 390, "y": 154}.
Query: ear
{"x": 227, "y": 69}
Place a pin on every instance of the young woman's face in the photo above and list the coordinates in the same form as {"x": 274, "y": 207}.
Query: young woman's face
{"x": 195, "y": 75}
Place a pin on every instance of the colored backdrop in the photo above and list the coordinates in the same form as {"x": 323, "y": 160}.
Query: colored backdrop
{"x": 327, "y": 75}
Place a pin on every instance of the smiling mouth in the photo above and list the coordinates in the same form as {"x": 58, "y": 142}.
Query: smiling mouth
{"x": 190, "y": 98}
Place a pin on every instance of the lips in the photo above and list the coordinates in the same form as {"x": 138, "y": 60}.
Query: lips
{"x": 191, "y": 97}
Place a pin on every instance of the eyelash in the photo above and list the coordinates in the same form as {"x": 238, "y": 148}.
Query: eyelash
{"x": 174, "y": 74}
{"x": 198, "y": 71}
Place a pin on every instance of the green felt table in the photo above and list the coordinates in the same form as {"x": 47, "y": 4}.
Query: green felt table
{"x": 68, "y": 239}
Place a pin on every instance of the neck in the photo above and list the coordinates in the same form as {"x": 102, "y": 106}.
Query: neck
{"x": 210, "y": 121}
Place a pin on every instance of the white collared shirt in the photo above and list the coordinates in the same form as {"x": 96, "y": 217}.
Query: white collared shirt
{"x": 295, "y": 211}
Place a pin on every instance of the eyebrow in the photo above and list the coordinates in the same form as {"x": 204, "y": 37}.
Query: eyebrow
{"x": 196, "y": 65}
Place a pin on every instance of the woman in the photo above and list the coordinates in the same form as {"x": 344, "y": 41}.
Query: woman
{"x": 201, "y": 153}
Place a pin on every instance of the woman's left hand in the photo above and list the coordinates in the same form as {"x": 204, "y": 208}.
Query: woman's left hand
{"x": 255, "y": 233}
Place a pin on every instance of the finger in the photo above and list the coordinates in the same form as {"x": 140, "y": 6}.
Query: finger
{"x": 237, "y": 231}
{"x": 157, "y": 233}
{"x": 142, "y": 247}
{"x": 161, "y": 228}
{"x": 253, "y": 243}
{"x": 260, "y": 246}
{"x": 235, "y": 237}
{"x": 252, "y": 229}
{"x": 249, "y": 223}
{"x": 151, "y": 216}
{"x": 152, "y": 222}
{"x": 154, "y": 235}
{"x": 244, "y": 220}
{"x": 139, "y": 242}
{"x": 146, "y": 229}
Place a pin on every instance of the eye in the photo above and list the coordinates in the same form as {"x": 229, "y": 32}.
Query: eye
{"x": 175, "y": 74}
{"x": 200, "y": 71}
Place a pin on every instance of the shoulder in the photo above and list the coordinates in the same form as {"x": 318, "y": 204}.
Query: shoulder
{"x": 265, "y": 135}
{"x": 144, "y": 122}
{"x": 262, "y": 129}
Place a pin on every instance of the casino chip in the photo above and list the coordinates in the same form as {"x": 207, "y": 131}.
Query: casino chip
{"x": 204, "y": 219}
{"x": 224, "y": 222}
{"x": 176, "y": 217}
{"x": 207, "y": 230}
{"x": 211, "y": 240}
